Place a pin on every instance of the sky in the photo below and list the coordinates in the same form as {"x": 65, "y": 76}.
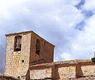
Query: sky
{"x": 68, "y": 24}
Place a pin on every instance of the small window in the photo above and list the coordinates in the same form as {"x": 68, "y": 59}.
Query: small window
{"x": 17, "y": 46}
{"x": 22, "y": 61}
{"x": 44, "y": 43}
{"x": 37, "y": 46}
{"x": 18, "y": 76}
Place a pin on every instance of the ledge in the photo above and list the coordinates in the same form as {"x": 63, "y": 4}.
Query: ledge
{"x": 64, "y": 63}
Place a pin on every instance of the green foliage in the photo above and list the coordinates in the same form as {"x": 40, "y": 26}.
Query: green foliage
{"x": 93, "y": 59}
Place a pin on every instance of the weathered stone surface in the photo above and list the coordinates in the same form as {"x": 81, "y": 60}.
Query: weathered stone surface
{"x": 41, "y": 73}
{"x": 18, "y": 62}
{"x": 88, "y": 70}
{"x": 67, "y": 72}
{"x": 14, "y": 66}
{"x": 6, "y": 77}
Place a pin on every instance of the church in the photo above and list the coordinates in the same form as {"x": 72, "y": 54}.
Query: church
{"x": 30, "y": 57}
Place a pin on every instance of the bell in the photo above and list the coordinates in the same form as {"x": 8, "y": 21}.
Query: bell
{"x": 18, "y": 46}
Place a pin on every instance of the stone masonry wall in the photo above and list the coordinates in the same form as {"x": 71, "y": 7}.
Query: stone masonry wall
{"x": 14, "y": 65}
{"x": 5, "y": 77}
{"x": 18, "y": 62}
{"x": 46, "y": 51}
{"x": 34, "y": 74}
{"x": 65, "y": 70}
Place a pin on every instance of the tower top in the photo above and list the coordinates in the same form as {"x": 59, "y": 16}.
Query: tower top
{"x": 25, "y": 32}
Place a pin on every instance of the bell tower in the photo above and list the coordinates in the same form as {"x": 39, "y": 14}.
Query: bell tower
{"x": 17, "y": 53}
{"x": 25, "y": 49}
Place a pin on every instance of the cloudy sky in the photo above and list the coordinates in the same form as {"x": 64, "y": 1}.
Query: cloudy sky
{"x": 68, "y": 24}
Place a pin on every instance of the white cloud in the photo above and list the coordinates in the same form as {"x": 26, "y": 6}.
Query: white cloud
{"x": 54, "y": 20}
{"x": 83, "y": 45}
{"x": 7, "y": 5}
{"x": 66, "y": 56}
{"x": 89, "y": 5}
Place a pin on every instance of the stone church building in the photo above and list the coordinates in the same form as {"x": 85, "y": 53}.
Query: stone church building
{"x": 30, "y": 57}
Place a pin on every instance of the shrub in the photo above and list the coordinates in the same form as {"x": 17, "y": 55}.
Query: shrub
{"x": 93, "y": 59}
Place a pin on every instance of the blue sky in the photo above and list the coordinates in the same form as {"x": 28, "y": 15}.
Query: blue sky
{"x": 68, "y": 24}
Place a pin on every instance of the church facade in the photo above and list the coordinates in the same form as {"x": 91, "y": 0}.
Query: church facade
{"x": 30, "y": 57}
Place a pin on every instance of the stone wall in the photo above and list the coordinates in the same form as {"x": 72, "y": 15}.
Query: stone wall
{"x": 20, "y": 64}
{"x": 6, "y": 77}
{"x": 65, "y": 70}
{"x": 34, "y": 74}
{"x": 17, "y": 62}
{"x": 46, "y": 51}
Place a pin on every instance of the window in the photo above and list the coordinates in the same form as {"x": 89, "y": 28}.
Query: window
{"x": 22, "y": 61}
{"x": 17, "y": 46}
{"x": 37, "y": 46}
